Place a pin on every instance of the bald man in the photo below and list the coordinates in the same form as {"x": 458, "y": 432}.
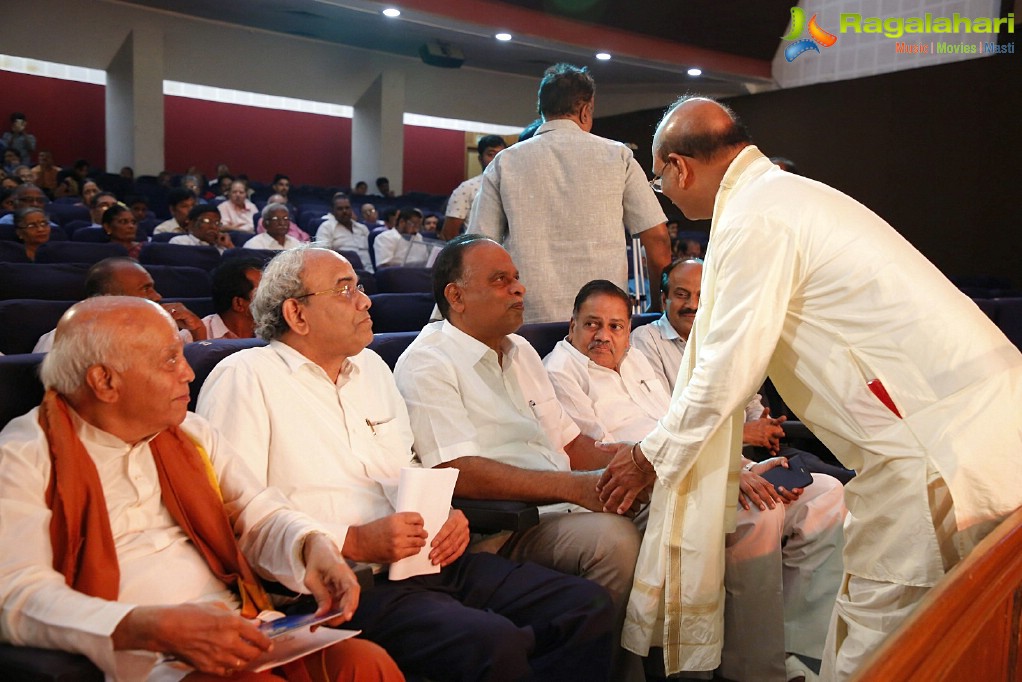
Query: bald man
{"x": 123, "y": 276}
{"x": 889, "y": 364}
{"x": 146, "y": 583}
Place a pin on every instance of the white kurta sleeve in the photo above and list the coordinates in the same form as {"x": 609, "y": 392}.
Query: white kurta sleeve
{"x": 570, "y": 388}
{"x": 751, "y": 273}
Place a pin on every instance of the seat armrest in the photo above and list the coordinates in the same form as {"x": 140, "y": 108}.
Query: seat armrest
{"x": 491, "y": 516}
{"x": 796, "y": 429}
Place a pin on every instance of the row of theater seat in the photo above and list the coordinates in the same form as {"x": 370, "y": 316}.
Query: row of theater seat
{"x": 66, "y": 281}
{"x": 24, "y": 320}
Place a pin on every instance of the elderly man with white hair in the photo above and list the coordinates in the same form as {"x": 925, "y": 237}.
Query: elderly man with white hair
{"x": 277, "y": 221}
{"x": 134, "y": 533}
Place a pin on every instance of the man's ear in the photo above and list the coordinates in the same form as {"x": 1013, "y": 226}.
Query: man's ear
{"x": 663, "y": 301}
{"x": 294, "y": 315}
{"x": 240, "y": 304}
{"x": 571, "y": 328}
{"x": 455, "y": 297}
{"x": 686, "y": 175}
{"x": 103, "y": 383}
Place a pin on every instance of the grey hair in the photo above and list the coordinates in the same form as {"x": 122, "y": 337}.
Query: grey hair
{"x": 80, "y": 346}
{"x": 274, "y": 207}
{"x": 282, "y": 279}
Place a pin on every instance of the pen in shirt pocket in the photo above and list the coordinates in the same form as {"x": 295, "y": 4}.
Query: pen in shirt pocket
{"x": 372, "y": 425}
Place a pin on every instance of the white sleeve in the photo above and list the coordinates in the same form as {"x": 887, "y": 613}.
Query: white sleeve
{"x": 744, "y": 326}
{"x": 570, "y": 389}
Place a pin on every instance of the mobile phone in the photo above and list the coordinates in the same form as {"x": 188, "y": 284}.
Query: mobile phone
{"x": 795, "y": 476}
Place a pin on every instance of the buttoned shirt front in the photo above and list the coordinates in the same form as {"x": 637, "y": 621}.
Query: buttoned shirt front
{"x": 265, "y": 241}
{"x": 158, "y": 563}
{"x": 334, "y": 449}
{"x": 463, "y": 401}
{"x": 332, "y": 235}
{"x": 392, "y": 249}
{"x": 192, "y": 240}
{"x": 607, "y": 405}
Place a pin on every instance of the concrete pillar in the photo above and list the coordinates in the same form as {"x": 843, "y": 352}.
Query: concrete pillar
{"x": 377, "y": 132}
{"x": 134, "y": 104}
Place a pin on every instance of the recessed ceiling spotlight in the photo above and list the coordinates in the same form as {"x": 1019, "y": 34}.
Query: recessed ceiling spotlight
{"x": 503, "y": 36}
{"x": 603, "y": 56}
{"x": 392, "y": 12}
{"x": 695, "y": 72}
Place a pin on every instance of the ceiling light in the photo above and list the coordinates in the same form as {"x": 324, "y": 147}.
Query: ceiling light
{"x": 503, "y": 36}
{"x": 392, "y": 12}
{"x": 603, "y": 56}
{"x": 695, "y": 72}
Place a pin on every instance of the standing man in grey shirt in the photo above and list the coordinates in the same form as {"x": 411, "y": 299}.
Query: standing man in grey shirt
{"x": 560, "y": 202}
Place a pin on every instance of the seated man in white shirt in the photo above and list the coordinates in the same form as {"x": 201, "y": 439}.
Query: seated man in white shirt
{"x": 663, "y": 343}
{"x": 392, "y": 248}
{"x": 181, "y": 202}
{"x": 234, "y": 285}
{"x": 277, "y": 220}
{"x": 480, "y": 401}
{"x": 317, "y": 415}
{"x": 786, "y": 538}
{"x": 341, "y": 232}
{"x": 204, "y": 229}
{"x": 134, "y": 534}
{"x": 123, "y": 276}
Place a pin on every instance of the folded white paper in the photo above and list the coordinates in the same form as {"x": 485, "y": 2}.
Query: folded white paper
{"x": 428, "y": 492}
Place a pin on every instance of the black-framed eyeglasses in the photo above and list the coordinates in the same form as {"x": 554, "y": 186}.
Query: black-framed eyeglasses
{"x": 346, "y": 290}
{"x": 657, "y": 183}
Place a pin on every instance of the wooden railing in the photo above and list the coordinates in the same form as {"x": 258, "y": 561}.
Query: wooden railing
{"x": 967, "y": 629}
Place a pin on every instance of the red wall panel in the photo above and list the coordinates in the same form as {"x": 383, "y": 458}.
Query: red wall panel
{"x": 434, "y": 160}
{"x": 311, "y": 148}
{"x": 66, "y": 117}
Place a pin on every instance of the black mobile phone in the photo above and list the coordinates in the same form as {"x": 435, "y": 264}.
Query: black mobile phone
{"x": 795, "y": 476}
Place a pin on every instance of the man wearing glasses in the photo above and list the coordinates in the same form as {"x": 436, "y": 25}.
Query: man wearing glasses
{"x": 317, "y": 415}
{"x": 898, "y": 373}
{"x": 560, "y": 202}
{"x": 204, "y": 229}
{"x": 277, "y": 221}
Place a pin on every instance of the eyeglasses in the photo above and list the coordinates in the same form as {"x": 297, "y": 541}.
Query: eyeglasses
{"x": 279, "y": 219}
{"x": 36, "y": 226}
{"x": 657, "y": 183}
{"x": 346, "y": 290}
{"x": 209, "y": 221}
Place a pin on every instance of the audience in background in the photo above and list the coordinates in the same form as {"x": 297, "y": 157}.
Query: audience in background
{"x": 46, "y": 172}
{"x": 383, "y": 187}
{"x": 361, "y": 187}
{"x": 26, "y": 195}
{"x": 459, "y": 205}
{"x": 276, "y": 220}
{"x": 181, "y": 202}
{"x": 89, "y": 191}
{"x": 392, "y": 248}
{"x": 120, "y": 226}
{"x": 341, "y": 232}
{"x": 204, "y": 229}
{"x": 234, "y": 284}
{"x": 370, "y": 218}
{"x": 17, "y": 140}
{"x": 238, "y": 213}
{"x": 123, "y": 276}
{"x": 100, "y": 203}
{"x": 32, "y": 229}
{"x": 292, "y": 229}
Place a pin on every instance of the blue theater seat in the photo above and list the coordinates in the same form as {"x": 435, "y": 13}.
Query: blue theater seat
{"x": 205, "y": 257}
{"x": 398, "y": 280}
{"x": 400, "y": 312}
{"x": 50, "y": 281}
{"x": 77, "y": 252}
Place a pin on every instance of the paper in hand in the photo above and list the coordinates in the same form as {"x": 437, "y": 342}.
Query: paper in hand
{"x": 428, "y": 492}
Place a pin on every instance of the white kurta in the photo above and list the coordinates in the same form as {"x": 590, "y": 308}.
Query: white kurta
{"x": 159, "y": 564}
{"x": 838, "y": 300}
{"x": 333, "y": 235}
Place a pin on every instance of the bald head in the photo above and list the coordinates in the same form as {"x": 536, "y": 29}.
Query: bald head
{"x": 99, "y": 331}
{"x": 694, "y": 144}
{"x": 700, "y": 128}
{"x": 120, "y": 276}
